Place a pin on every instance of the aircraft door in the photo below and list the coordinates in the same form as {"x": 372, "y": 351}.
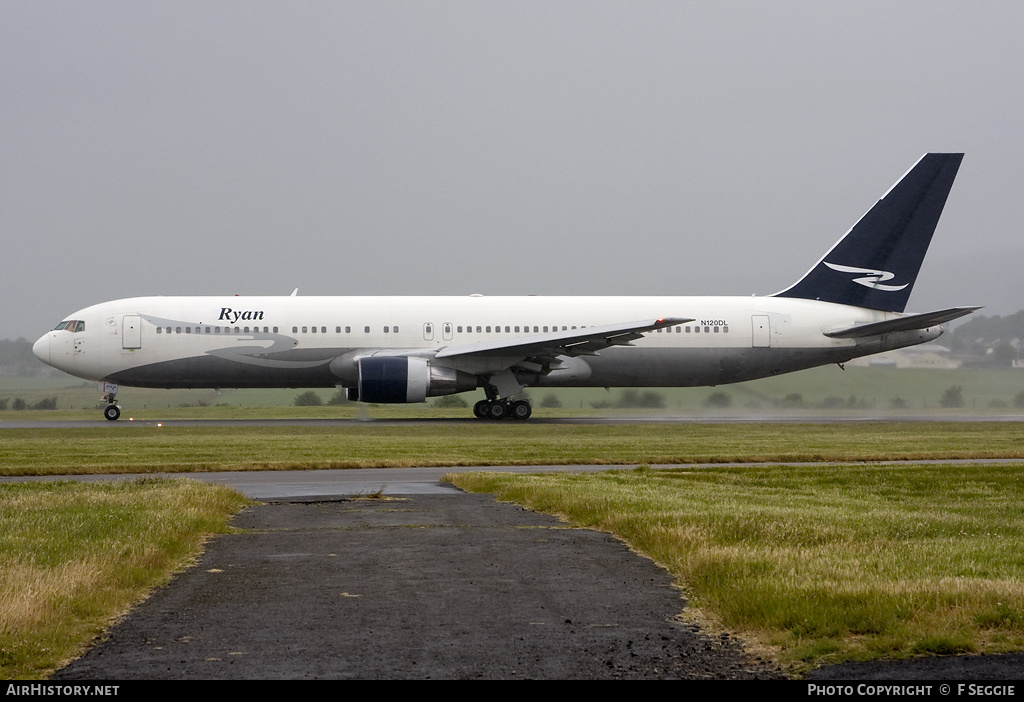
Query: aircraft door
{"x": 131, "y": 332}
{"x": 428, "y": 331}
{"x": 446, "y": 331}
{"x": 761, "y": 338}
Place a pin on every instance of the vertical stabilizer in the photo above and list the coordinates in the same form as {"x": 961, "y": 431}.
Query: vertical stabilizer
{"x": 876, "y": 263}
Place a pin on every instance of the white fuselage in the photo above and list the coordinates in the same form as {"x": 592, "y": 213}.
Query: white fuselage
{"x": 224, "y": 341}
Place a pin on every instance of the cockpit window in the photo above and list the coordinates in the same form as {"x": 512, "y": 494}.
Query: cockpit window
{"x": 74, "y": 325}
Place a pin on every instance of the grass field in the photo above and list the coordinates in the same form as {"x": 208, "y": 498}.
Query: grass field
{"x": 131, "y": 447}
{"x": 75, "y": 556}
{"x": 814, "y": 563}
{"x": 818, "y": 564}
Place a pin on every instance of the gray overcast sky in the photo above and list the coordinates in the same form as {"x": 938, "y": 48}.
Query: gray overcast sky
{"x": 495, "y": 147}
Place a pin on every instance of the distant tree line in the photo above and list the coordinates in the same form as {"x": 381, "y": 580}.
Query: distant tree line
{"x": 988, "y": 341}
{"x": 16, "y": 358}
{"x": 310, "y": 398}
{"x": 18, "y": 403}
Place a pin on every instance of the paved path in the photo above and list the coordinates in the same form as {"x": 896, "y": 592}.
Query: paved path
{"x": 427, "y": 586}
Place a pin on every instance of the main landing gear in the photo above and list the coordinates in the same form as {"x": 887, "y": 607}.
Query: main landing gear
{"x": 502, "y": 409}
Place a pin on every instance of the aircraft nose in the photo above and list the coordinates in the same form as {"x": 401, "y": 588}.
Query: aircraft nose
{"x": 42, "y": 348}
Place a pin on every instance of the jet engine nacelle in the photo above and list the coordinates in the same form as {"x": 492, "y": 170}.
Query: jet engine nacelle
{"x": 408, "y": 379}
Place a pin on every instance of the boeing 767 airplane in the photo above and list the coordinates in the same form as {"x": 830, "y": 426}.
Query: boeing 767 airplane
{"x": 405, "y": 349}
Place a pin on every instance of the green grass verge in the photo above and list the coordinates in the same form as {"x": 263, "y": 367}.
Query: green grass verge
{"x": 818, "y": 564}
{"x": 74, "y": 556}
{"x": 146, "y": 447}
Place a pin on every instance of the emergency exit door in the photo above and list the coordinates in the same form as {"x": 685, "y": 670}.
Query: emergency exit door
{"x": 762, "y": 335}
{"x": 131, "y": 332}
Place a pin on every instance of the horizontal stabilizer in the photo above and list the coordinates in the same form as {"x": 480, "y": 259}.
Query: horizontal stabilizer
{"x": 908, "y": 323}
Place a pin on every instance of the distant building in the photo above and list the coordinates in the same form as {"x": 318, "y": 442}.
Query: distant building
{"x": 930, "y": 356}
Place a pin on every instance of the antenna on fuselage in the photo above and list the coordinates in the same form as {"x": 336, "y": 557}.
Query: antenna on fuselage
{"x": 294, "y": 292}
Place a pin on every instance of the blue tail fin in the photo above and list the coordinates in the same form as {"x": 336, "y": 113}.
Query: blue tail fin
{"x": 876, "y": 263}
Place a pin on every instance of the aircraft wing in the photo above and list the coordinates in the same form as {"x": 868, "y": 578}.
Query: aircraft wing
{"x": 586, "y": 341}
{"x": 907, "y": 323}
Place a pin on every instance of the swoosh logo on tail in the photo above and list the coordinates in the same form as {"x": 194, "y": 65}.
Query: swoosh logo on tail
{"x": 873, "y": 278}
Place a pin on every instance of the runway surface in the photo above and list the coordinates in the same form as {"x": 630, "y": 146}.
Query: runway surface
{"x": 152, "y": 416}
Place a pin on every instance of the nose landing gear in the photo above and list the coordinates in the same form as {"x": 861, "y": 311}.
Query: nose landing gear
{"x": 111, "y": 411}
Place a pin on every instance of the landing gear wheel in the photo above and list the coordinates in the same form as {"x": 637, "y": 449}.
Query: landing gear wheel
{"x": 521, "y": 409}
{"x": 497, "y": 410}
{"x": 112, "y": 412}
